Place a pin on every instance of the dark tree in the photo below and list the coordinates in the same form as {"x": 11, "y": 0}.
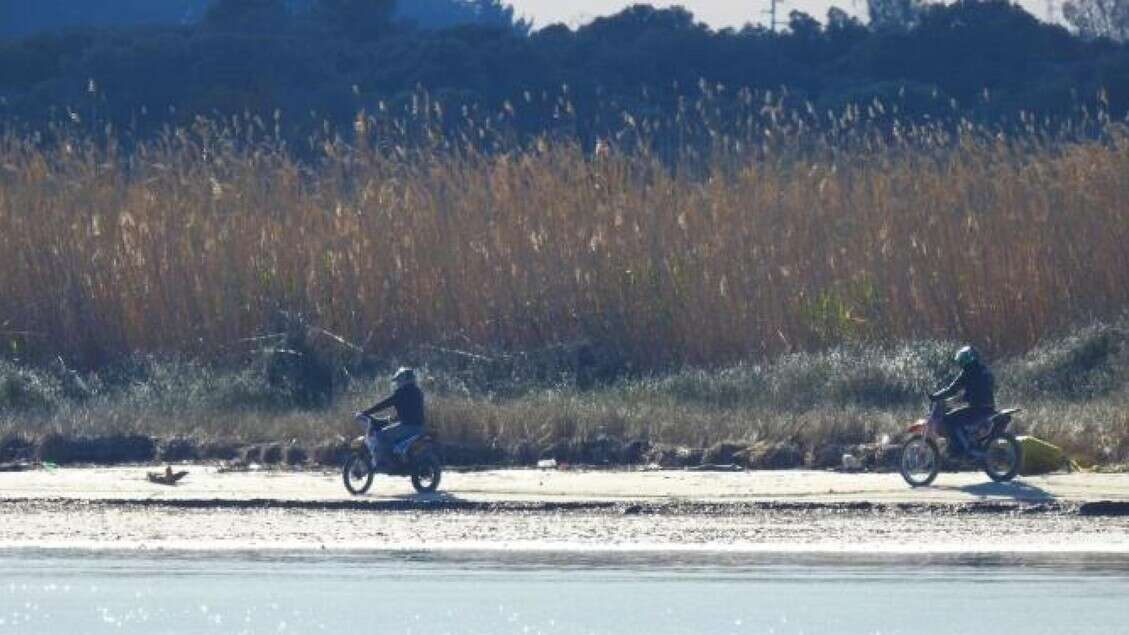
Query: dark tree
{"x": 442, "y": 14}
{"x": 359, "y": 20}
{"x": 320, "y": 62}
{"x": 1099, "y": 18}
{"x": 247, "y": 16}
{"x": 893, "y": 15}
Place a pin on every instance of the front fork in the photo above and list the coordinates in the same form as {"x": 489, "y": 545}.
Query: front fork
{"x": 371, "y": 442}
{"x": 934, "y": 430}
{"x": 373, "y": 445}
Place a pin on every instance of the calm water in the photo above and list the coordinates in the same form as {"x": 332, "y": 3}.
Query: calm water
{"x": 43, "y": 592}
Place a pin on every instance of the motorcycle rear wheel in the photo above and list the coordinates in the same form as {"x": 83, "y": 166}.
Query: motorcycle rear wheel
{"x": 1003, "y": 456}
{"x": 426, "y": 473}
{"x": 357, "y": 474}
{"x": 920, "y": 461}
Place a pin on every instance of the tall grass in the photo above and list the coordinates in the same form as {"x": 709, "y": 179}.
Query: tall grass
{"x": 191, "y": 245}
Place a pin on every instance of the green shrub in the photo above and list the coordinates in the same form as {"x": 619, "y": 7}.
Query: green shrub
{"x": 1087, "y": 364}
{"x": 26, "y": 390}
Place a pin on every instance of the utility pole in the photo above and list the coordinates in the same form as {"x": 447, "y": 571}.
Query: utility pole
{"x": 771, "y": 12}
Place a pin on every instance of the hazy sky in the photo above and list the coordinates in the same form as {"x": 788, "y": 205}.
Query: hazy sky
{"x": 716, "y": 13}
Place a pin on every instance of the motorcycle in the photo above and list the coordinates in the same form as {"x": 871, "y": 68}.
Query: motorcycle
{"x": 989, "y": 443}
{"x": 415, "y": 457}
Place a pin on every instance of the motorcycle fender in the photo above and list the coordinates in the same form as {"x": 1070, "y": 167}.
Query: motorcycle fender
{"x": 358, "y": 444}
{"x": 917, "y": 428}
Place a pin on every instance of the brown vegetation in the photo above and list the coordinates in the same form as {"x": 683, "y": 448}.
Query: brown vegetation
{"x": 192, "y": 245}
{"x": 744, "y": 262}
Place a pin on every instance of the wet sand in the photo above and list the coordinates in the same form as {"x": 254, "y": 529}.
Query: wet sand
{"x": 783, "y": 511}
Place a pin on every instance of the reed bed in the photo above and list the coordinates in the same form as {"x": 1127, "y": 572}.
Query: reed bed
{"x": 193, "y": 243}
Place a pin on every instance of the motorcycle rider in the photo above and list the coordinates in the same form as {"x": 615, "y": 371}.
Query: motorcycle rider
{"x": 979, "y": 393}
{"x": 407, "y": 399}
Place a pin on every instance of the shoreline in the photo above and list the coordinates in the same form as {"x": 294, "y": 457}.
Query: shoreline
{"x": 438, "y": 503}
{"x": 1049, "y": 553}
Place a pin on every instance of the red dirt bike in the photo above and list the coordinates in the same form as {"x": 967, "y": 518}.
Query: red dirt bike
{"x": 415, "y": 457}
{"x": 988, "y": 441}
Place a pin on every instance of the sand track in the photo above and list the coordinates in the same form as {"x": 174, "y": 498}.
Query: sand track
{"x": 569, "y": 486}
{"x": 798, "y": 511}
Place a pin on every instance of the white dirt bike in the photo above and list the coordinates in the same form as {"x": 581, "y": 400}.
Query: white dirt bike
{"x": 416, "y": 457}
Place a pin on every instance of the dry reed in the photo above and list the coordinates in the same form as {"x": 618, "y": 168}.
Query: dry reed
{"x": 191, "y": 244}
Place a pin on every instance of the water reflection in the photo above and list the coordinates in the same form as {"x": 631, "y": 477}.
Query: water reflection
{"x": 557, "y": 592}
{"x": 191, "y": 561}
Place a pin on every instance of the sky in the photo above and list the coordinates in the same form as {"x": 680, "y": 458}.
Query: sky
{"x": 716, "y": 13}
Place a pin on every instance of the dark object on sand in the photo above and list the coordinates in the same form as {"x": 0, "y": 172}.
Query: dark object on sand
{"x": 716, "y": 467}
{"x": 18, "y": 466}
{"x": 167, "y": 478}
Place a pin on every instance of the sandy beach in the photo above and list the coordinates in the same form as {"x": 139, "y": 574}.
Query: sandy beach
{"x": 801, "y": 511}
{"x": 210, "y": 483}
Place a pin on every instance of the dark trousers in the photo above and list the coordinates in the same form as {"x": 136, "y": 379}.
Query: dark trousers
{"x": 957, "y": 420}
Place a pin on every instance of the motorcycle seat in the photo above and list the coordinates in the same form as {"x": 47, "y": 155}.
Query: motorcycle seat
{"x": 1004, "y": 415}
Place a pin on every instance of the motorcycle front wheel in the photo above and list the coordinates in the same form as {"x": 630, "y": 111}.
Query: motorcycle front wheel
{"x": 1003, "y": 456}
{"x": 920, "y": 461}
{"x": 357, "y": 474}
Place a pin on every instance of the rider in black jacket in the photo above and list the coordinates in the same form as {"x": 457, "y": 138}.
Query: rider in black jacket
{"x": 407, "y": 399}
{"x": 979, "y": 388}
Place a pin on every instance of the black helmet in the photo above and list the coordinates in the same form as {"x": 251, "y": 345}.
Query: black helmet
{"x": 403, "y": 377}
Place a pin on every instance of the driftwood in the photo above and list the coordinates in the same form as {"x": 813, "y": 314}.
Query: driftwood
{"x": 714, "y": 467}
{"x": 168, "y": 477}
{"x": 17, "y": 467}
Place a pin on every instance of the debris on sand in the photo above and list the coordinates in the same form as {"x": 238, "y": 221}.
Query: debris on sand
{"x": 18, "y": 466}
{"x": 167, "y": 478}
{"x": 1039, "y": 457}
{"x": 851, "y": 463}
{"x": 716, "y": 467}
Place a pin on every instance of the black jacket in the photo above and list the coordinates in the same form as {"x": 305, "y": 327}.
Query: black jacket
{"x": 408, "y": 402}
{"x": 978, "y": 384}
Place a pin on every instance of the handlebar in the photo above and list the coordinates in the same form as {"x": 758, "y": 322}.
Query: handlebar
{"x": 370, "y": 421}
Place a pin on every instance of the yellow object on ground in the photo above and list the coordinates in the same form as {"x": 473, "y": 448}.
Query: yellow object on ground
{"x": 1039, "y": 457}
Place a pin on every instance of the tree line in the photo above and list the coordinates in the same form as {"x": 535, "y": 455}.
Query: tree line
{"x": 315, "y": 64}
{"x": 22, "y": 18}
